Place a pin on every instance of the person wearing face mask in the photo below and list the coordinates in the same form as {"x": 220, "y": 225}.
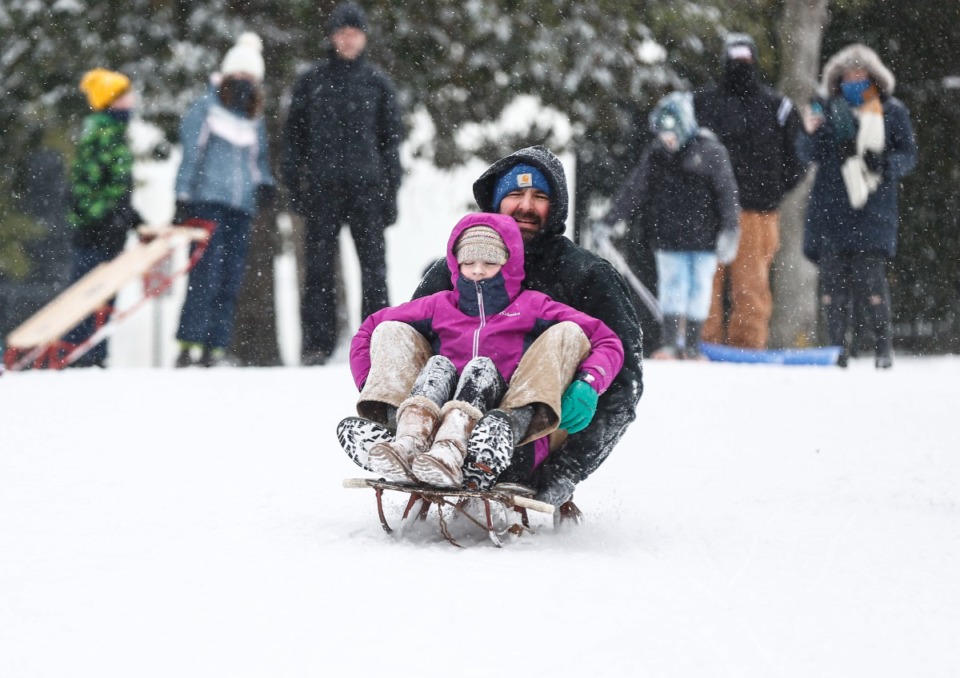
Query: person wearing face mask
{"x": 862, "y": 141}
{"x": 760, "y": 128}
{"x": 224, "y": 173}
{"x": 684, "y": 192}
{"x": 101, "y": 188}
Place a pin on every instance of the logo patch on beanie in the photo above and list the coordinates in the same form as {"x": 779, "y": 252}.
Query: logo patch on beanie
{"x": 524, "y": 180}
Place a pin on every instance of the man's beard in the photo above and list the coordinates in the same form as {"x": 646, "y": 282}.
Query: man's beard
{"x": 532, "y": 218}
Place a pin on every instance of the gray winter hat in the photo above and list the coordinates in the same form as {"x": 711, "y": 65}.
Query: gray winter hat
{"x": 347, "y": 14}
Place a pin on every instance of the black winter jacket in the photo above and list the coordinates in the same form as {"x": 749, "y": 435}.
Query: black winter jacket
{"x": 760, "y": 129}
{"x": 343, "y": 127}
{"x": 572, "y": 275}
{"x": 683, "y": 199}
{"x": 832, "y": 224}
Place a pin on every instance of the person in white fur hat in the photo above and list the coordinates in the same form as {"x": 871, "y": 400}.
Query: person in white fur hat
{"x": 862, "y": 140}
{"x": 224, "y": 174}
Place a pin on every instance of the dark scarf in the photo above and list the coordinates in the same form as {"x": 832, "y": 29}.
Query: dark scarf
{"x": 493, "y": 292}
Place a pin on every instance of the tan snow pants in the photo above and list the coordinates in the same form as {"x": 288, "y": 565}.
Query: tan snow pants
{"x": 751, "y": 303}
{"x": 398, "y": 353}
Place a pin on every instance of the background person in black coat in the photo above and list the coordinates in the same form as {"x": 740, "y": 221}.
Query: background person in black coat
{"x": 683, "y": 195}
{"x": 760, "y": 128}
{"x": 556, "y": 266}
{"x": 341, "y": 164}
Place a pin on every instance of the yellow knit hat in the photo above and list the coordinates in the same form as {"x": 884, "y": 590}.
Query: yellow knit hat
{"x": 103, "y": 87}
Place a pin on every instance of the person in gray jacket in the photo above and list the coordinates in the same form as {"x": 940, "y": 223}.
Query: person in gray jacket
{"x": 224, "y": 169}
{"x": 684, "y": 192}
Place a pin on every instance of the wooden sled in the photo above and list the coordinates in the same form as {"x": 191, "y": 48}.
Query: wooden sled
{"x": 38, "y": 342}
{"x": 509, "y": 496}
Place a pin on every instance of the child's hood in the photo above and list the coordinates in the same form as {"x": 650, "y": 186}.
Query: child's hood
{"x": 508, "y": 229}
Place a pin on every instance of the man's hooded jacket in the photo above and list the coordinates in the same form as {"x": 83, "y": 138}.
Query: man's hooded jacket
{"x": 579, "y": 278}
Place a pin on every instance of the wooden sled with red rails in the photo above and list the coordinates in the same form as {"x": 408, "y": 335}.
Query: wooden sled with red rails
{"x": 39, "y": 341}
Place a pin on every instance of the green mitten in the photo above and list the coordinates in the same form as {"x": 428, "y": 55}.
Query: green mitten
{"x": 577, "y": 407}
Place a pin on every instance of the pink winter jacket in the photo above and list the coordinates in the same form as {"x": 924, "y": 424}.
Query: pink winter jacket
{"x": 494, "y": 318}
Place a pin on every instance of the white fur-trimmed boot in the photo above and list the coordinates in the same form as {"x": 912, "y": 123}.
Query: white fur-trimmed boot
{"x": 417, "y": 419}
{"x": 441, "y": 465}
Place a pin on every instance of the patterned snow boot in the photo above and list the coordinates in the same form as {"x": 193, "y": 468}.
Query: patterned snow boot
{"x": 416, "y": 421}
{"x": 358, "y": 435}
{"x": 489, "y": 450}
{"x": 441, "y": 465}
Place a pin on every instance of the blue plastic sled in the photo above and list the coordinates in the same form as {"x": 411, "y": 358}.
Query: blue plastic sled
{"x": 825, "y": 355}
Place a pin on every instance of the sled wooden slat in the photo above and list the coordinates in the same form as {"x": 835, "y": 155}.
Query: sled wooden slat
{"x": 504, "y": 496}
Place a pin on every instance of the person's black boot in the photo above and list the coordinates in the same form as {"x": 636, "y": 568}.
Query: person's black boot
{"x": 670, "y": 336}
{"x": 691, "y": 348}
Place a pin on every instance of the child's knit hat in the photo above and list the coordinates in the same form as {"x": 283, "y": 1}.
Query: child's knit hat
{"x": 481, "y": 243}
{"x": 103, "y": 87}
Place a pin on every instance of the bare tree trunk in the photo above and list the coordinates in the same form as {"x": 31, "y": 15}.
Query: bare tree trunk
{"x": 255, "y": 330}
{"x": 794, "y": 321}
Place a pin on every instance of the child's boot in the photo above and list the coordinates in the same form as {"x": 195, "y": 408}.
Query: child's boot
{"x": 441, "y": 465}
{"x": 691, "y": 349}
{"x": 671, "y": 339}
{"x": 416, "y": 421}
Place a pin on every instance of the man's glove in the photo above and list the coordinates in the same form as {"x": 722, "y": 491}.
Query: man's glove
{"x": 577, "y": 407}
{"x": 727, "y": 243}
{"x": 874, "y": 161}
{"x": 556, "y": 491}
{"x": 183, "y": 213}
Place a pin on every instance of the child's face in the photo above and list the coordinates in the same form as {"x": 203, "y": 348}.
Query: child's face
{"x": 479, "y": 270}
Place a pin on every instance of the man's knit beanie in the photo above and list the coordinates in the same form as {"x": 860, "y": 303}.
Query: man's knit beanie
{"x": 103, "y": 87}
{"x": 347, "y": 14}
{"x": 519, "y": 177}
{"x": 481, "y": 243}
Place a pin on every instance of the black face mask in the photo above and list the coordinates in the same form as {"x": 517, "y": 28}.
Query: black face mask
{"x": 241, "y": 97}
{"x": 122, "y": 116}
{"x": 741, "y": 77}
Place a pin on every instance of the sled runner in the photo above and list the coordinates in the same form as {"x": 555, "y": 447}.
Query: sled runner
{"x": 38, "y": 342}
{"x": 509, "y": 496}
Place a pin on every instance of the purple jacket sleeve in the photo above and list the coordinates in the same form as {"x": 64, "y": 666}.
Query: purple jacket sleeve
{"x": 407, "y": 312}
{"x": 606, "y": 354}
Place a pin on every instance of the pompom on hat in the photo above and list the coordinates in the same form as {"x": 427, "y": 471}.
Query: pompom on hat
{"x": 245, "y": 57}
{"x": 481, "y": 243}
{"x": 103, "y": 87}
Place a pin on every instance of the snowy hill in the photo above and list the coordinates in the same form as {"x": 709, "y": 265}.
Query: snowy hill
{"x": 756, "y": 521}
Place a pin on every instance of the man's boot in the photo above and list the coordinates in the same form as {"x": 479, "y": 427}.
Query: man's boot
{"x": 490, "y": 446}
{"x": 417, "y": 419}
{"x": 441, "y": 465}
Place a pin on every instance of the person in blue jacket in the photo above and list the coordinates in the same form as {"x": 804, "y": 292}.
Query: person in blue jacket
{"x": 862, "y": 140}
{"x": 225, "y": 168}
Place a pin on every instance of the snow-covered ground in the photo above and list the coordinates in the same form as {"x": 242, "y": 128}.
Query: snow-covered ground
{"x": 755, "y": 521}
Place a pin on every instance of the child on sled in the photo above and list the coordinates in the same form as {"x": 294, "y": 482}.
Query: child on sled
{"x": 459, "y": 353}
